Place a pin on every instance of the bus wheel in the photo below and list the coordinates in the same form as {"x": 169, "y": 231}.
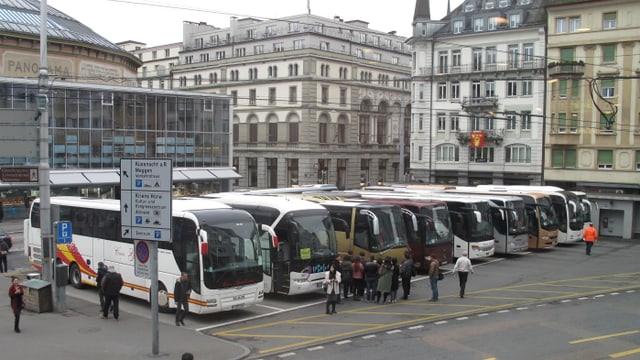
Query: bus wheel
{"x": 163, "y": 298}
{"x": 75, "y": 276}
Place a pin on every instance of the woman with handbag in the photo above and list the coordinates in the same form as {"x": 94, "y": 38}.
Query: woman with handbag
{"x": 332, "y": 279}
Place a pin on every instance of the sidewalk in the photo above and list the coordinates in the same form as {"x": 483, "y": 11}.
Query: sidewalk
{"x": 78, "y": 333}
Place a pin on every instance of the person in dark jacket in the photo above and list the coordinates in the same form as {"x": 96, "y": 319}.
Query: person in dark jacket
{"x": 347, "y": 270}
{"x": 181, "y": 293}
{"x": 4, "y": 251}
{"x": 17, "y": 303}
{"x": 102, "y": 271}
{"x": 111, "y": 286}
{"x": 405, "y": 273}
{"x": 371, "y": 278}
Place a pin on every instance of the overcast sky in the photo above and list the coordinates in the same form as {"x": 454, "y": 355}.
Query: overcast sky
{"x": 160, "y": 22}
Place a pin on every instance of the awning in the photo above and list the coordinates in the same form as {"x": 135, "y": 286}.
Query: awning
{"x": 226, "y": 174}
{"x": 68, "y": 178}
{"x": 197, "y": 174}
{"x": 103, "y": 177}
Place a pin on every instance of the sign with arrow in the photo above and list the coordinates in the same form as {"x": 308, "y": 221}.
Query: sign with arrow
{"x": 145, "y": 199}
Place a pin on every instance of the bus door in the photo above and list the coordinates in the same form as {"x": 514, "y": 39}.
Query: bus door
{"x": 270, "y": 248}
{"x": 532, "y": 226}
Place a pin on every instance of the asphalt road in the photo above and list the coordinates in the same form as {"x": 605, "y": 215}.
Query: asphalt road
{"x": 557, "y": 304}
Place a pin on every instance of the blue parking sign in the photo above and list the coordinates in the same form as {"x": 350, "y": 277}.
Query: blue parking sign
{"x": 64, "y": 232}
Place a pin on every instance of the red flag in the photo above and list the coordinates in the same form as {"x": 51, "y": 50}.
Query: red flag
{"x": 477, "y": 139}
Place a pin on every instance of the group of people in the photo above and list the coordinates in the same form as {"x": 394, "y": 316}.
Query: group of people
{"x": 378, "y": 279}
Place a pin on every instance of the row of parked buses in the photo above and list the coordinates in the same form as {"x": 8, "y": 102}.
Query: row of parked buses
{"x": 238, "y": 246}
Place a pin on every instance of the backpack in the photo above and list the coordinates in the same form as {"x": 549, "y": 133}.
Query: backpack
{"x": 440, "y": 275}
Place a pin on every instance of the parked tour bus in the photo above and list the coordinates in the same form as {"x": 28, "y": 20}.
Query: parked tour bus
{"x": 542, "y": 221}
{"x": 509, "y": 220}
{"x": 589, "y": 209}
{"x": 215, "y": 244}
{"x": 434, "y": 235}
{"x": 306, "y": 240}
{"x": 565, "y": 203}
{"x": 470, "y": 219}
{"x": 363, "y": 227}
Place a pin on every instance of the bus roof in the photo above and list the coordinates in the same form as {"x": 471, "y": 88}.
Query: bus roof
{"x": 284, "y": 204}
{"x": 178, "y": 204}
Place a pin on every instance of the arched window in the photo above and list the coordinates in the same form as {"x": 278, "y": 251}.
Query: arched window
{"x": 518, "y": 153}
{"x": 447, "y": 152}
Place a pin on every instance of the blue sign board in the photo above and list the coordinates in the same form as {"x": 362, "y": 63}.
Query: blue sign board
{"x": 64, "y": 232}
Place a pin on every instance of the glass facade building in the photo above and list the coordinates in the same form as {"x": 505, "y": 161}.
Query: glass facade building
{"x": 94, "y": 126}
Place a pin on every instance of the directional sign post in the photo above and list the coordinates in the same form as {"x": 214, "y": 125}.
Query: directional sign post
{"x": 145, "y": 208}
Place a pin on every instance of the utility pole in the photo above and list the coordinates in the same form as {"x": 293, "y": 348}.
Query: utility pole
{"x": 48, "y": 247}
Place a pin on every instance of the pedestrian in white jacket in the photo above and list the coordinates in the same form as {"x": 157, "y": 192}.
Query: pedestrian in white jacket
{"x": 332, "y": 279}
{"x": 463, "y": 267}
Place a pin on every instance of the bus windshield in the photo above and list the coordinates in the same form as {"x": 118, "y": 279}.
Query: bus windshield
{"x": 442, "y": 223}
{"x": 312, "y": 235}
{"x": 514, "y": 219}
{"x": 392, "y": 233}
{"x": 575, "y": 213}
{"x": 232, "y": 256}
{"x": 480, "y": 215}
{"x": 548, "y": 218}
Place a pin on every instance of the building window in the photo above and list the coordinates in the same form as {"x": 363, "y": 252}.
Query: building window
{"x": 513, "y": 56}
{"x": 253, "y": 132}
{"x": 606, "y": 123}
{"x": 475, "y": 123}
{"x": 562, "y": 88}
{"x": 489, "y": 4}
{"x": 420, "y": 122}
{"x": 478, "y": 24}
{"x": 273, "y": 71}
{"x": 563, "y": 158}
{"x": 511, "y": 121}
{"x": 359, "y": 53}
{"x": 526, "y": 120}
{"x": 605, "y": 159}
{"x": 442, "y": 91}
{"x": 609, "y": 53}
{"x": 252, "y": 97}
{"x": 492, "y": 55}
{"x": 573, "y": 123}
{"x": 574, "y": 24}
{"x": 490, "y": 89}
{"x": 272, "y": 96}
{"x": 363, "y": 130}
{"x": 477, "y": 59}
{"x": 234, "y": 97}
{"x": 514, "y": 21}
{"x": 520, "y": 154}
{"x": 293, "y": 94}
{"x": 167, "y": 52}
{"x": 562, "y": 122}
{"x": 443, "y": 62}
{"x": 322, "y": 133}
{"x": 493, "y": 22}
{"x": 482, "y": 154}
{"x": 637, "y": 159}
{"x": 512, "y": 88}
{"x": 608, "y": 88}
{"x": 270, "y": 30}
{"x": 298, "y": 44}
{"x": 475, "y": 89}
{"x": 240, "y": 52}
{"x": 527, "y": 55}
{"x": 609, "y": 20}
{"x": 527, "y": 87}
{"x": 420, "y": 151}
{"x": 252, "y": 172}
{"x": 442, "y": 122}
{"x": 447, "y": 153}
{"x": 458, "y": 26}
{"x": 293, "y": 132}
{"x": 341, "y": 135}
{"x": 503, "y": 3}
{"x": 324, "y": 45}
{"x": 468, "y": 7}
{"x": 455, "y": 123}
{"x": 561, "y": 25}
{"x": 278, "y": 47}
{"x": 456, "y": 58}
{"x": 273, "y": 132}
{"x": 324, "y": 94}
{"x": 220, "y": 55}
{"x": 294, "y": 26}
{"x": 258, "y": 49}
{"x": 395, "y": 60}
{"x": 455, "y": 90}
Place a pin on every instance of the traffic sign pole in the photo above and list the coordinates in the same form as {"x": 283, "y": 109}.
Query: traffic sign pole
{"x": 153, "y": 259}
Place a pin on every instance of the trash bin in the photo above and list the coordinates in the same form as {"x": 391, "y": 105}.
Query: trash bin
{"x": 37, "y": 296}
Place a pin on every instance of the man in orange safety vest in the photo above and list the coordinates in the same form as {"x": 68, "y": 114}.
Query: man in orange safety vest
{"x": 590, "y": 236}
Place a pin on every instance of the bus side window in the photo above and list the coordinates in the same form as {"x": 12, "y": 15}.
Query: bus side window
{"x": 361, "y": 232}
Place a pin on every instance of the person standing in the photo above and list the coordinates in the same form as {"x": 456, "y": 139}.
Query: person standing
{"x": 590, "y": 236}
{"x": 395, "y": 282}
{"x": 17, "y": 303}
{"x": 102, "y": 271}
{"x": 338, "y": 265}
{"x": 111, "y": 286}
{"x": 332, "y": 282}
{"x": 434, "y": 271}
{"x": 383, "y": 286}
{"x": 181, "y": 294}
{"x": 4, "y": 251}
{"x": 347, "y": 270}
{"x": 405, "y": 273}
{"x": 357, "y": 274}
{"x": 463, "y": 267}
{"x": 371, "y": 268}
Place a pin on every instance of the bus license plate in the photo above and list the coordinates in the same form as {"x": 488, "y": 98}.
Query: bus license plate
{"x": 238, "y": 297}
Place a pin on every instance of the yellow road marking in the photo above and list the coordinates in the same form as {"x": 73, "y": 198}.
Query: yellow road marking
{"x": 280, "y": 336}
{"x": 625, "y": 353}
{"x": 604, "y": 337}
{"x": 330, "y": 323}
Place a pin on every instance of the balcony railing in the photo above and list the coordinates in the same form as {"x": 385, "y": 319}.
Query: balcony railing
{"x": 566, "y": 69}
{"x": 491, "y": 137}
{"x": 514, "y": 65}
{"x": 479, "y": 104}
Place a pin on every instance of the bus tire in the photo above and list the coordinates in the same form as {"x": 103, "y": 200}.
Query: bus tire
{"x": 163, "y": 299}
{"x": 75, "y": 276}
